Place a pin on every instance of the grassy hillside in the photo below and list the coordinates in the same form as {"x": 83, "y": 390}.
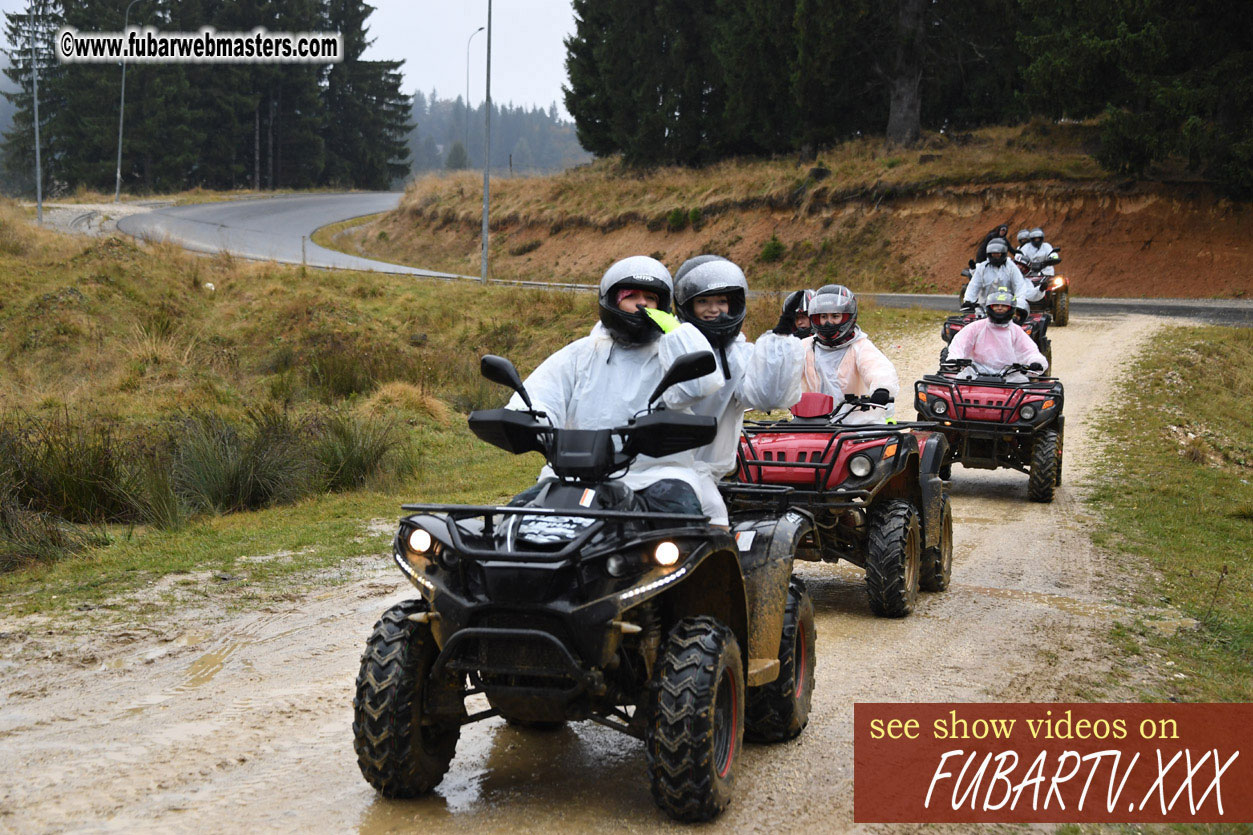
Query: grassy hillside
{"x": 107, "y": 346}
{"x": 877, "y": 221}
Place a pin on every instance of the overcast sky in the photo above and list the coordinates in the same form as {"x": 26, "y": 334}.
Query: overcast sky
{"x": 528, "y": 57}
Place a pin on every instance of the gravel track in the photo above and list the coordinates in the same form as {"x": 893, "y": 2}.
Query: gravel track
{"x": 241, "y": 723}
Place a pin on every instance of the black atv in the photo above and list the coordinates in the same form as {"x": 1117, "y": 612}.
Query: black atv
{"x": 581, "y": 604}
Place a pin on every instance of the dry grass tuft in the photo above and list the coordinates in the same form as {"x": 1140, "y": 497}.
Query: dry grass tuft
{"x": 406, "y": 398}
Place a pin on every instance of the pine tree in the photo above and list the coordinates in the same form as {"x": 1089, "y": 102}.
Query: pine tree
{"x": 367, "y": 115}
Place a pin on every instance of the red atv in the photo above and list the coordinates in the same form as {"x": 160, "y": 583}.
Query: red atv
{"x": 1035, "y": 326}
{"x": 1056, "y": 288}
{"x": 873, "y": 492}
{"x": 991, "y": 422}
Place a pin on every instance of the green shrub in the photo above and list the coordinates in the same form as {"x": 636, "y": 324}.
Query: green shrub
{"x": 222, "y": 467}
{"x": 772, "y": 250}
{"x": 27, "y": 536}
{"x": 72, "y": 470}
{"x": 695, "y": 218}
{"x": 676, "y": 220}
{"x": 354, "y": 451}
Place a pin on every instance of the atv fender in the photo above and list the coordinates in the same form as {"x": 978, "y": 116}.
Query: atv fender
{"x": 767, "y": 548}
{"x": 934, "y": 450}
{"x": 715, "y": 588}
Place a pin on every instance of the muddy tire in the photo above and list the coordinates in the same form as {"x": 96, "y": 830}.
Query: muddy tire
{"x": 937, "y": 561}
{"x": 893, "y": 559}
{"x": 697, "y": 726}
{"x": 944, "y": 353}
{"x": 401, "y": 754}
{"x": 1061, "y": 308}
{"x": 779, "y": 711}
{"x": 1046, "y": 457}
{"x": 946, "y": 472}
{"x": 1046, "y": 348}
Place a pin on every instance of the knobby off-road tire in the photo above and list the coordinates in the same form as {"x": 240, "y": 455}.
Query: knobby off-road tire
{"x": 697, "y": 726}
{"x": 1047, "y": 349}
{"x": 779, "y": 711}
{"x": 1045, "y": 459}
{"x": 937, "y": 561}
{"x": 401, "y": 753}
{"x": 1061, "y": 309}
{"x": 893, "y": 559}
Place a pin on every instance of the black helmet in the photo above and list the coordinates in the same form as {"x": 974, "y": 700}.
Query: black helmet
{"x": 692, "y": 263}
{"x": 998, "y": 251}
{"x": 799, "y": 298}
{"x": 834, "y": 298}
{"x": 639, "y": 272}
{"x": 1000, "y": 296}
{"x": 715, "y": 277}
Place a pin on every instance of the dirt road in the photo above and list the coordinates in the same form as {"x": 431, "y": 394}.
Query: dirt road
{"x": 209, "y": 723}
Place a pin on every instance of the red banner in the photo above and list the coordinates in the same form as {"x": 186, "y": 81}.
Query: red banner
{"x": 1053, "y": 763}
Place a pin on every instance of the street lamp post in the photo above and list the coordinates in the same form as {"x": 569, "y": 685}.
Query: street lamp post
{"x": 487, "y": 144}
{"x": 472, "y": 34}
{"x": 34, "y": 77}
{"x": 121, "y": 110}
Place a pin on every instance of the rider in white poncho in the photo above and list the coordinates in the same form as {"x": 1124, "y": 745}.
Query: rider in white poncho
{"x": 993, "y": 343}
{"x": 1036, "y": 249}
{"x": 996, "y": 272}
{"x": 764, "y": 375}
{"x": 604, "y": 379}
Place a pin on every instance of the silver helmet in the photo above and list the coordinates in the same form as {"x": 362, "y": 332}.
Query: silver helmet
{"x": 1000, "y": 296}
{"x": 837, "y": 299}
{"x": 715, "y": 277}
{"x": 693, "y": 262}
{"x": 639, "y": 272}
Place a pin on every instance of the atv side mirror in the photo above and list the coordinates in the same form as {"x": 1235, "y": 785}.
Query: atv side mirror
{"x": 500, "y": 370}
{"x": 687, "y": 367}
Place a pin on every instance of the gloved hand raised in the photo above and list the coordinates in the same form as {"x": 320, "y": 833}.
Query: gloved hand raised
{"x": 880, "y": 396}
{"x": 665, "y": 322}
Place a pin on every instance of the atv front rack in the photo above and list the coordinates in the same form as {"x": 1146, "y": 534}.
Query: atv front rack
{"x": 1041, "y": 386}
{"x": 753, "y": 492}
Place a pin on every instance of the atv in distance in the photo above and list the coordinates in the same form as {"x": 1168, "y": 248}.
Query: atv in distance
{"x": 1056, "y": 288}
{"x": 991, "y": 422}
{"x": 581, "y": 604}
{"x": 873, "y": 491}
{"x": 1035, "y": 326}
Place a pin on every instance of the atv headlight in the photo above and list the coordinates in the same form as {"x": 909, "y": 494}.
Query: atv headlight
{"x": 860, "y": 465}
{"x": 667, "y": 553}
{"x": 940, "y": 407}
{"x": 420, "y": 541}
{"x": 1028, "y": 412}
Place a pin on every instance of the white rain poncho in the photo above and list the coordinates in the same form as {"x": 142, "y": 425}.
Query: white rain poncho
{"x": 1031, "y": 252}
{"x": 992, "y": 347}
{"x": 764, "y": 376}
{"x": 987, "y": 278}
{"x": 598, "y": 383}
{"x": 857, "y": 367}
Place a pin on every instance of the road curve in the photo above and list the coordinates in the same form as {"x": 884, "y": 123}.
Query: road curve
{"x": 274, "y": 228}
{"x": 270, "y": 229}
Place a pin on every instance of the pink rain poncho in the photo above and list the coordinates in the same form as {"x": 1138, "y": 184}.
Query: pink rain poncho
{"x": 992, "y": 347}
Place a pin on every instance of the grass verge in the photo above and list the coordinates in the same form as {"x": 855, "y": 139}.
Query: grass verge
{"x": 1177, "y": 490}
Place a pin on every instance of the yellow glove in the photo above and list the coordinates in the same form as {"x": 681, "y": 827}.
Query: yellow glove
{"x": 666, "y": 322}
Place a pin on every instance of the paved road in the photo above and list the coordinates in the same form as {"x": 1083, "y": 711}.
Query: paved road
{"x": 272, "y": 229}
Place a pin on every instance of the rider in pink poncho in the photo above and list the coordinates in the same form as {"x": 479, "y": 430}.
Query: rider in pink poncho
{"x": 993, "y": 343}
